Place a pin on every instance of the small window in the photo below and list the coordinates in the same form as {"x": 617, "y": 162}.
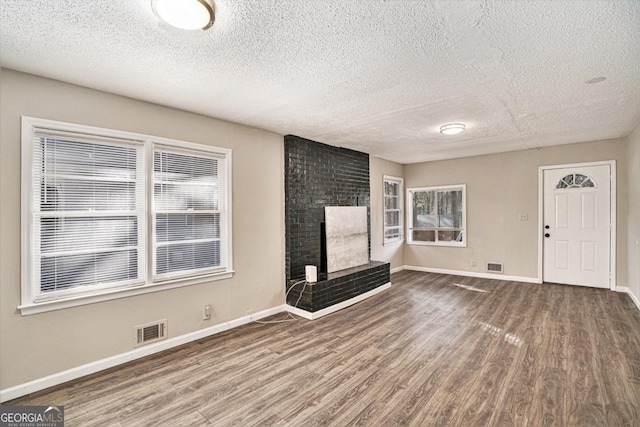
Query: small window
{"x": 575, "y": 180}
{"x": 437, "y": 215}
{"x": 96, "y": 200}
{"x": 393, "y": 215}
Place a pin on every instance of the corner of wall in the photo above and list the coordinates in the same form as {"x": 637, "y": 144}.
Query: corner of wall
{"x": 394, "y": 253}
{"x": 633, "y": 214}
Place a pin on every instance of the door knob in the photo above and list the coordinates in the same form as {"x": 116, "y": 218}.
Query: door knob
{"x": 547, "y": 235}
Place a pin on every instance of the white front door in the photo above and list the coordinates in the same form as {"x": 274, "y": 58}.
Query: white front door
{"x": 577, "y": 225}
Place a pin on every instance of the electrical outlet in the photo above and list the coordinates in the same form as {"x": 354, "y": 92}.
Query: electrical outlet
{"x": 206, "y": 313}
{"x": 524, "y": 217}
{"x": 473, "y": 263}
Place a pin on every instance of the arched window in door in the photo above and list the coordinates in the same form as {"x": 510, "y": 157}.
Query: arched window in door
{"x": 575, "y": 180}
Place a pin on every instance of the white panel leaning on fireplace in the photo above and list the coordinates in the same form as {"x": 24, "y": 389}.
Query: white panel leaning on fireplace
{"x": 346, "y": 237}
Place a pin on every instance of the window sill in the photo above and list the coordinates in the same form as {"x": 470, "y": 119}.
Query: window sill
{"x": 42, "y": 307}
{"x": 447, "y": 244}
{"x": 394, "y": 243}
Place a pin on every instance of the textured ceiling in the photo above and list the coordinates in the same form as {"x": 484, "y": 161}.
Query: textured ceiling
{"x": 372, "y": 75}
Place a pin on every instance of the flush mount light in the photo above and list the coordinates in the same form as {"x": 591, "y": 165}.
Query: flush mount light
{"x": 452, "y": 128}
{"x": 185, "y": 14}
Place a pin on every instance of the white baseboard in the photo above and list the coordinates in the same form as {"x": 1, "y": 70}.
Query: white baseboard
{"x": 626, "y": 290}
{"x": 100, "y": 365}
{"x": 474, "y": 274}
{"x": 397, "y": 269}
{"x": 317, "y": 314}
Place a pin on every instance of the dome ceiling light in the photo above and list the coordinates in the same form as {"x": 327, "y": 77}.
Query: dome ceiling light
{"x": 185, "y": 14}
{"x": 452, "y": 128}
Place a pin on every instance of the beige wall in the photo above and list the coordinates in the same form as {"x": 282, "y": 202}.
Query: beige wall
{"x": 42, "y": 344}
{"x": 633, "y": 230}
{"x": 499, "y": 188}
{"x": 392, "y": 253}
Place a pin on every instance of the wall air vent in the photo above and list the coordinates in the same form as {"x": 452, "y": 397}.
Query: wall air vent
{"x": 151, "y": 332}
{"x": 494, "y": 267}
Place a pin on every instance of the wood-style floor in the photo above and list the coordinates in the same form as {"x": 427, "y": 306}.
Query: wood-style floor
{"x": 434, "y": 350}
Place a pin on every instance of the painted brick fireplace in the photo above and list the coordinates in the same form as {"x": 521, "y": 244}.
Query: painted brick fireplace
{"x": 319, "y": 175}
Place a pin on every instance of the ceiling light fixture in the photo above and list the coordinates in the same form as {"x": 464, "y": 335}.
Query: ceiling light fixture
{"x": 185, "y": 14}
{"x": 452, "y": 128}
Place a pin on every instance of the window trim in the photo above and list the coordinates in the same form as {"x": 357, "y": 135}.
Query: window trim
{"x": 28, "y": 304}
{"x": 410, "y": 191}
{"x": 399, "y": 239}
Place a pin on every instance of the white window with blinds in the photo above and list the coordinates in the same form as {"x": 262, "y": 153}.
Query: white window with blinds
{"x": 393, "y": 214}
{"x": 108, "y": 214}
{"x": 188, "y": 212}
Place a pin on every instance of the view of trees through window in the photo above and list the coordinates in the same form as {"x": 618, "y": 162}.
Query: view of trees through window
{"x": 437, "y": 215}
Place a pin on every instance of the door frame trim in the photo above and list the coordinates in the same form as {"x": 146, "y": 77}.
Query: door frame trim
{"x": 613, "y": 207}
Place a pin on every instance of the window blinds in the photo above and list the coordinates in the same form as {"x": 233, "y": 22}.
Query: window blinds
{"x": 88, "y": 212}
{"x": 188, "y": 194}
{"x": 392, "y": 210}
